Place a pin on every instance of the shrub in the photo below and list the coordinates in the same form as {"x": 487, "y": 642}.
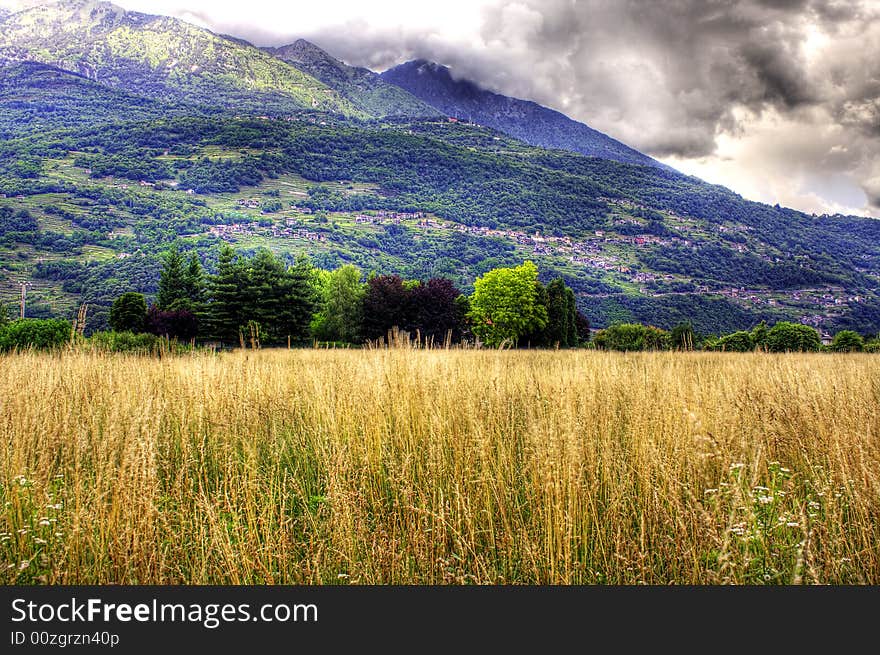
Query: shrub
{"x": 36, "y": 333}
{"x": 738, "y": 342}
{"x": 129, "y": 342}
{"x": 847, "y": 341}
{"x": 125, "y": 342}
{"x": 632, "y": 336}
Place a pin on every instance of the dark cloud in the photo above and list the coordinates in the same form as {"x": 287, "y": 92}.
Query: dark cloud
{"x": 690, "y": 63}
{"x": 671, "y": 76}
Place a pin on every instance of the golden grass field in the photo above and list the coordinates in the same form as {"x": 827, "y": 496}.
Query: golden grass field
{"x": 458, "y": 467}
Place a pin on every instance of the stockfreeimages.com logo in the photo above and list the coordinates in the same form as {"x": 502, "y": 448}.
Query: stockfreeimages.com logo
{"x": 209, "y": 615}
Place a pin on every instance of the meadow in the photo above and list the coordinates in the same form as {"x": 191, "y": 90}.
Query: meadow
{"x": 439, "y": 467}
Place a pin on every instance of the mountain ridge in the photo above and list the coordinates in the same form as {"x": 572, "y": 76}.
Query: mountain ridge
{"x": 160, "y": 57}
{"x": 523, "y": 119}
{"x": 363, "y": 87}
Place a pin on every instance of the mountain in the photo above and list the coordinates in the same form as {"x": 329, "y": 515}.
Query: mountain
{"x": 522, "y": 119}
{"x": 365, "y": 89}
{"x": 121, "y": 133}
{"x": 162, "y": 57}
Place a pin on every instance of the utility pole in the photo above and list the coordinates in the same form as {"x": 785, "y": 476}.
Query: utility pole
{"x": 23, "y": 302}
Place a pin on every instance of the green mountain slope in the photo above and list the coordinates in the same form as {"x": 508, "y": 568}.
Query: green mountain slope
{"x": 420, "y": 199}
{"x": 162, "y": 57}
{"x": 365, "y": 89}
{"x": 35, "y": 97}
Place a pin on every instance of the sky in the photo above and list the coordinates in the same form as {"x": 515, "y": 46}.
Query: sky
{"x": 778, "y": 100}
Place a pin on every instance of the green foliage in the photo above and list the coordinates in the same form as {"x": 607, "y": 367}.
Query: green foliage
{"x": 506, "y": 305}
{"x": 682, "y": 336}
{"x": 194, "y": 281}
{"x": 12, "y": 221}
{"x": 760, "y": 334}
{"x": 793, "y": 337}
{"x": 41, "y": 334}
{"x": 561, "y": 311}
{"x": 224, "y": 290}
{"x": 262, "y": 292}
{"x": 456, "y": 172}
{"x": 128, "y": 342}
{"x": 738, "y": 342}
{"x": 173, "y": 286}
{"x": 632, "y": 337}
{"x": 340, "y": 309}
{"x": 561, "y": 329}
{"x": 128, "y": 313}
{"x": 847, "y": 341}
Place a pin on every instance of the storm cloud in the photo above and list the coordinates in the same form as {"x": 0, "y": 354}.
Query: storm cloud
{"x": 778, "y": 99}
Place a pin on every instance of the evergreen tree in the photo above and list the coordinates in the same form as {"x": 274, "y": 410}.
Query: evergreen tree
{"x": 194, "y": 281}
{"x": 571, "y": 311}
{"x": 558, "y": 320}
{"x": 224, "y": 312}
{"x": 172, "y": 281}
{"x": 299, "y": 303}
{"x": 279, "y": 299}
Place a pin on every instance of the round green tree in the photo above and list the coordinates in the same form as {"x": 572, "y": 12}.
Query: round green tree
{"x": 793, "y": 337}
{"x": 506, "y": 304}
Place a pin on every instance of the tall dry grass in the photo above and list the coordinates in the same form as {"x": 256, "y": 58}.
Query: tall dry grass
{"x": 402, "y": 466}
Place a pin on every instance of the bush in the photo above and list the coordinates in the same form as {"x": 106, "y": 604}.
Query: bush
{"x": 124, "y": 341}
{"x": 847, "y": 341}
{"x": 632, "y": 336}
{"x": 738, "y": 342}
{"x": 42, "y": 334}
{"x": 129, "y": 342}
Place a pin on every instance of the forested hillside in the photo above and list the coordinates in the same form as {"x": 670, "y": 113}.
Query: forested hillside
{"x": 104, "y": 166}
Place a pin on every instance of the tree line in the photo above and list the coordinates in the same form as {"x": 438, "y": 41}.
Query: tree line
{"x": 262, "y": 299}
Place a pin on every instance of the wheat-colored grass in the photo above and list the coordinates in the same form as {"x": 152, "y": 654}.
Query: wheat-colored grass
{"x": 403, "y": 466}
